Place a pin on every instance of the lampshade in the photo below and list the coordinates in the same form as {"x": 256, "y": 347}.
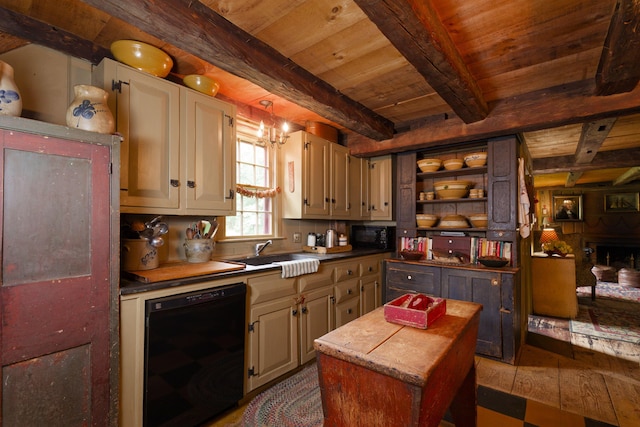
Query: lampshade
{"x": 548, "y": 235}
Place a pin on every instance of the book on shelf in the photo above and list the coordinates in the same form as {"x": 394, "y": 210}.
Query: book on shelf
{"x": 480, "y": 247}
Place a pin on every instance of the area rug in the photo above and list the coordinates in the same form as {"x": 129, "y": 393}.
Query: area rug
{"x": 611, "y": 290}
{"x": 294, "y": 402}
{"x": 609, "y": 319}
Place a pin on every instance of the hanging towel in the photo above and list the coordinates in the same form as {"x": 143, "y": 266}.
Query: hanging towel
{"x": 523, "y": 209}
{"x": 298, "y": 267}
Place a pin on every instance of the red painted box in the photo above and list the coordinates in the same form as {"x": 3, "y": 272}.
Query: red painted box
{"x": 416, "y": 310}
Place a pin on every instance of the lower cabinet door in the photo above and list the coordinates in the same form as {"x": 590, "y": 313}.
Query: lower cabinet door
{"x": 347, "y": 311}
{"x": 485, "y": 289}
{"x": 316, "y": 320}
{"x": 273, "y": 341}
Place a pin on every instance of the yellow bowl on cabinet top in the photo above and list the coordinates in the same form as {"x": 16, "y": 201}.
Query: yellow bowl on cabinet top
{"x": 474, "y": 160}
{"x": 142, "y": 56}
{"x": 429, "y": 165}
{"x": 452, "y": 164}
{"x": 201, "y": 83}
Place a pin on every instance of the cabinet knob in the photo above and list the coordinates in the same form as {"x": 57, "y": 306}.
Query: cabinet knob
{"x": 349, "y": 272}
{"x": 349, "y": 311}
{"x": 349, "y": 291}
{"x": 494, "y": 282}
{"x": 370, "y": 268}
{"x": 294, "y": 312}
{"x": 174, "y": 183}
{"x": 409, "y": 277}
{"x": 191, "y": 184}
{"x": 304, "y": 310}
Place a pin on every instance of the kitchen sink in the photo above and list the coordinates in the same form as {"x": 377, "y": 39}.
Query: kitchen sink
{"x": 270, "y": 259}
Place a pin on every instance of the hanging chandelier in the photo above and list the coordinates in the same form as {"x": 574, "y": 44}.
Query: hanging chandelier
{"x": 270, "y": 134}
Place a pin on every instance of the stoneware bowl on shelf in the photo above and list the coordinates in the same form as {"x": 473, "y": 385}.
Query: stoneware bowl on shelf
{"x": 452, "y": 189}
{"x": 478, "y": 220}
{"x": 202, "y": 84}
{"x": 429, "y": 165}
{"x": 453, "y": 164}
{"x": 426, "y": 220}
{"x": 493, "y": 261}
{"x": 412, "y": 255}
{"x": 142, "y": 56}
{"x": 474, "y": 160}
{"x": 453, "y": 221}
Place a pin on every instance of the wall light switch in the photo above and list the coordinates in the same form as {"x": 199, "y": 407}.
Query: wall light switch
{"x": 297, "y": 237}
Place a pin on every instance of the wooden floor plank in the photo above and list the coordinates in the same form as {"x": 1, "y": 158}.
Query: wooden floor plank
{"x": 625, "y": 398}
{"x": 537, "y": 376}
{"x": 583, "y": 391}
{"x": 494, "y": 374}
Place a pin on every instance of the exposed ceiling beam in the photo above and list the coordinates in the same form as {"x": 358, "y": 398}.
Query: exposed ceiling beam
{"x": 415, "y": 29}
{"x": 572, "y": 178}
{"x": 603, "y": 160}
{"x": 198, "y": 30}
{"x": 47, "y": 35}
{"x": 618, "y": 69}
{"x": 630, "y": 175}
{"x": 593, "y": 135}
{"x": 522, "y": 113}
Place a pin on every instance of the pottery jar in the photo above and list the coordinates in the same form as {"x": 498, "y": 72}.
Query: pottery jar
{"x": 89, "y": 110}
{"x": 10, "y": 99}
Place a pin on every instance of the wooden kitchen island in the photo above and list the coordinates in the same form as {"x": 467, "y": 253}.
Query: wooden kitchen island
{"x": 376, "y": 373}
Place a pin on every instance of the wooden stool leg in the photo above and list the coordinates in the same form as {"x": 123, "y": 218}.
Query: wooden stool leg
{"x": 464, "y": 405}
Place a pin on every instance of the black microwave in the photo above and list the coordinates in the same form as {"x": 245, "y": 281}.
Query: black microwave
{"x": 373, "y": 237}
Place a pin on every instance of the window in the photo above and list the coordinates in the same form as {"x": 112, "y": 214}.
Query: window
{"x": 255, "y": 179}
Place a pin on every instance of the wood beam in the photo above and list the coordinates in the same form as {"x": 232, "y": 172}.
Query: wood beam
{"x": 603, "y": 160}
{"x": 198, "y": 30}
{"x": 527, "y": 112}
{"x": 48, "y": 35}
{"x": 593, "y": 135}
{"x": 618, "y": 69}
{"x": 572, "y": 178}
{"x": 415, "y": 29}
{"x": 630, "y": 175}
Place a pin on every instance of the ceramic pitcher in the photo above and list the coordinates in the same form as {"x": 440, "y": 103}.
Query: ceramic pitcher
{"x": 10, "y": 99}
{"x": 89, "y": 110}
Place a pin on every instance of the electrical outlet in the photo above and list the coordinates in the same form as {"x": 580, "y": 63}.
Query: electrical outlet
{"x": 297, "y": 237}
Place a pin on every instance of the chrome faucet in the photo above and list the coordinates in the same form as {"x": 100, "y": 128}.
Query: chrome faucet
{"x": 260, "y": 246}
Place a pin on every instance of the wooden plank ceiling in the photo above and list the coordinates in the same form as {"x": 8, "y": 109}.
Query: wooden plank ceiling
{"x": 395, "y": 75}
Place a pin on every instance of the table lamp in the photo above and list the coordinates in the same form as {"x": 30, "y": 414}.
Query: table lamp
{"x": 548, "y": 235}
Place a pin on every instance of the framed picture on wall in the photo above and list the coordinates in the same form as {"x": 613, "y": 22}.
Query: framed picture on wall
{"x": 567, "y": 208}
{"x": 621, "y": 202}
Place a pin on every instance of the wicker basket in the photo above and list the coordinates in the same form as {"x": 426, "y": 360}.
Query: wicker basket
{"x": 629, "y": 277}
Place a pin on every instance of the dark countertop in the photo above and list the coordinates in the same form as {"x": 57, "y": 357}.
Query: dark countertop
{"x": 128, "y": 287}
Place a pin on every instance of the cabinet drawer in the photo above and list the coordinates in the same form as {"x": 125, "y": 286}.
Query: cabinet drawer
{"x": 347, "y": 289}
{"x": 369, "y": 267}
{"x": 269, "y": 287}
{"x": 323, "y": 277}
{"x": 445, "y": 243}
{"x": 347, "y": 311}
{"x": 413, "y": 278}
{"x": 345, "y": 271}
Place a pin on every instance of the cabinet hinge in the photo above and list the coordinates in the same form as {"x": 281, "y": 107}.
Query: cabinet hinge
{"x": 110, "y": 168}
{"x": 230, "y": 119}
{"x": 251, "y": 372}
{"x": 306, "y": 145}
{"x": 117, "y": 85}
{"x": 252, "y": 327}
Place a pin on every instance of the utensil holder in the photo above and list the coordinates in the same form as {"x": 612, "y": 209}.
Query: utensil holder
{"x": 198, "y": 250}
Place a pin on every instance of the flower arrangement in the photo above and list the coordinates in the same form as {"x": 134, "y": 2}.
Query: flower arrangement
{"x": 559, "y": 247}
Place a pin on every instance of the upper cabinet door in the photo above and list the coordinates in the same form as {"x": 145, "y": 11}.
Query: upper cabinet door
{"x": 316, "y": 177}
{"x": 381, "y": 178}
{"x": 148, "y": 118}
{"x": 208, "y": 149}
{"x": 340, "y": 178}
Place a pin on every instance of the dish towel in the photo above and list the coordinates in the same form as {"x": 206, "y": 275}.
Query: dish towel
{"x": 298, "y": 267}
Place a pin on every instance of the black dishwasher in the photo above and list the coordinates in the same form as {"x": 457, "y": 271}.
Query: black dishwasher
{"x": 194, "y": 355}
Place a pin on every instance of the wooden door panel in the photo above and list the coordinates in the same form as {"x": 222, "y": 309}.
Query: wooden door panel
{"x": 55, "y": 291}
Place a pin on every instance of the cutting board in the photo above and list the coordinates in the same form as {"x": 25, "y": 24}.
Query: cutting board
{"x": 183, "y": 270}
{"x": 323, "y": 250}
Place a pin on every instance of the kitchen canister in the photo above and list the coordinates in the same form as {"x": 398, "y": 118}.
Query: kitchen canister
{"x": 10, "y": 99}
{"x": 138, "y": 254}
{"x": 89, "y": 110}
{"x": 311, "y": 239}
{"x": 198, "y": 250}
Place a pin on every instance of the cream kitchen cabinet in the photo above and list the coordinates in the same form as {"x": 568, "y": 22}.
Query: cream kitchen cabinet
{"x": 347, "y": 291}
{"x": 178, "y": 153}
{"x": 316, "y": 178}
{"x": 359, "y": 188}
{"x": 370, "y": 283}
{"x": 381, "y": 173}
